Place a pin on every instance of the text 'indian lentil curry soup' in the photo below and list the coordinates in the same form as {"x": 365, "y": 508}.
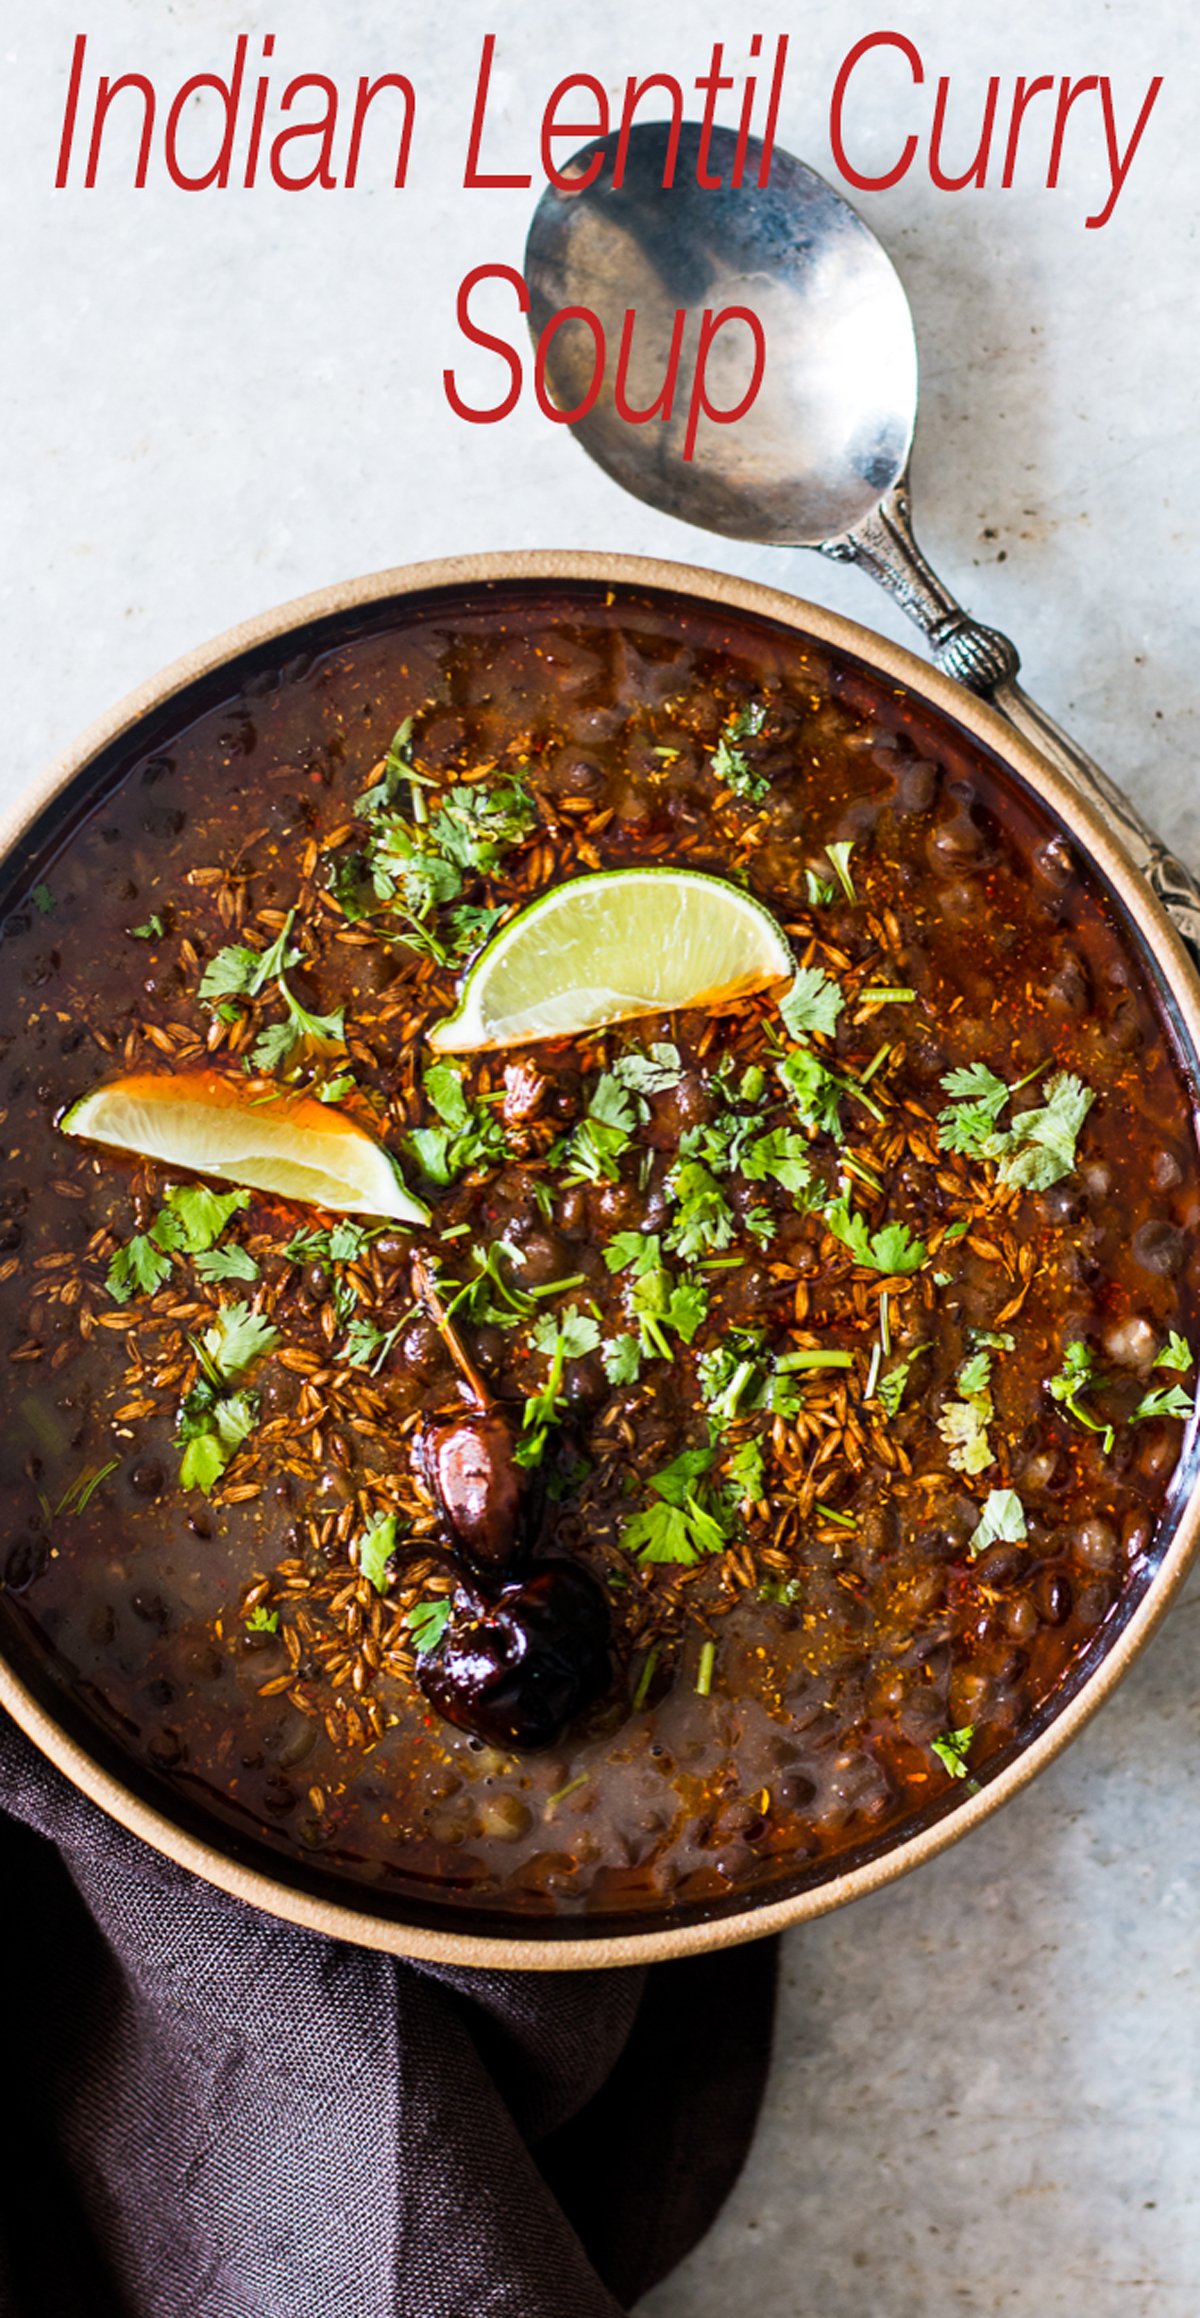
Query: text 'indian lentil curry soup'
{"x": 784, "y": 1392}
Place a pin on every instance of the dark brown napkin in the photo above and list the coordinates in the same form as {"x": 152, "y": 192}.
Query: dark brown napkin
{"x": 211, "y": 2114}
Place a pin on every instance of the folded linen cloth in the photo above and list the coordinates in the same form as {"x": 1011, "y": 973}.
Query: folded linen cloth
{"x": 212, "y": 2114}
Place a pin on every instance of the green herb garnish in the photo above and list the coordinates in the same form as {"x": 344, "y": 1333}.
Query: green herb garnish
{"x": 952, "y": 1749}
{"x": 813, "y": 1003}
{"x": 374, "y": 1549}
{"x": 1002, "y": 1521}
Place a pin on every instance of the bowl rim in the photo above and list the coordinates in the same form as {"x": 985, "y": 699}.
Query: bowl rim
{"x": 528, "y": 1946}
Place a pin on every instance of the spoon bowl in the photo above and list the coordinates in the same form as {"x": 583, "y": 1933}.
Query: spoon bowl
{"x": 831, "y": 428}
{"x": 820, "y": 456}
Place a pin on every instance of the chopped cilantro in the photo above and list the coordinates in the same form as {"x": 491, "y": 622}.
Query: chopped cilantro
{"x": 43, "y": 900}
{"x": 262, "y": 1620}
{"x": 729, "y": 762}
{"x": 1040, "y": 1144}
{"x": 890, "y": 1389}
{"x": 374, "y": 1549}
{"x": 1167, "y": 1401}
{"x": 231, "y": 1263}
{"x": 367, "y": 1346}
{"x": 813, "y": 1003}
{"x": 740, "y": 1377}
{"x": 427, "y": 1622}
{"x": 840, "y": 854}
{"x": 968, "y": 1124}
{"x": 141, "y": 1264}
{"x": 212, "y": 1426}
{"x": 952, "y": 1749}
{"x": 1077, "y": 1376}
{"x": 416, "y": 868}
{"x": 595, "y": 1147}
{"x": 203, "y": 1214}
{"x": 152, "y": 931}
{"x": 746, "y": 1475}
{"x": 276, "y": 1045}
{"x": 1002, "y": 1521}
{"x": 701, "y": 1219}
{"x": 470, "y": 1135}
{"x": 1176, "y": 1353}
{"x": 963, "y": 1423}
{"x": 572, "y": 1333}
{"x": 622, "y": 1359}
{"x": 821, "y": 890}
{"x": 893, "y": 1248}
{"x": 191, "y": 1220}
{"x": 813, "y": 1089}
{"x": 686, "y": 1523}
{"x": 237, "y": 1338}
{"x": 567, "y": 1335}
{"x": 651, "y": 1073}
{"x": 1038, "y": 1148}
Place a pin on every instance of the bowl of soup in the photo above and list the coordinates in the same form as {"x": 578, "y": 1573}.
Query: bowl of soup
{"x": 765, "y": 1432}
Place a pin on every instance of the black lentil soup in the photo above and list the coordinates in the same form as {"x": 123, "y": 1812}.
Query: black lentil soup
{"x": 798, "y": 1385}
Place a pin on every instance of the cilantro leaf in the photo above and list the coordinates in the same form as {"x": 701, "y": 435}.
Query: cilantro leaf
{"x": 890, "y": 1388}
{"x": 202, "y": 1463}
{"x": 747, "y": 1478}
{"x": 470, "y": 1135}
{"x": 813, "y": 1003}
{"x": 232, "y": 1263}
{"x": 675, "y": 1482}
{"x": 652, "y": 1073}
{"x": 687, "y": 1308}
{"x": 262, "y": 1620}
{"x": 660, "y": 1533}
{"x": 701, "y": 1219}
{"x": 893, "y": 1248}
{"x": 1078, "y": 1375}
{"x": 622, "y": 1359}
{"x": 1176, "y": 1353}
{"x": 1001, "y": 1521}
{"x": 571, "y": 1333}
{"x": 968, "y": 1124}
{"x": 1040, "y": 1144}
{"x": 840, "y": 854}
{"x": 203, "y": 1214}
{"x": 567, "y": 1335}
{"x": 427, "y": 1622}
{"x": 896, "y": 1249}
{"x": 229, "y": 974}
{"x": 729, "y": 763}
{"x": 1167, "y": 1401}
{"x": 636, "y": 1248}
{"x": 152, "y": 931}
{"x": 139, "y": 1265}
{"x": 374, "y": 1549}
{"x": 237, "y": 1338}
{"x": 952, "y": 1749}
{"x": 780, "y": 1156}
{"x": 814, "y": 1090}
{"x": 682, "y": 1527}
{"x": 963, "y": 1423}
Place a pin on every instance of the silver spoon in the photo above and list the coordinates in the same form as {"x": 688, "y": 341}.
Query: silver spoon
{"x": 821, "y": 457}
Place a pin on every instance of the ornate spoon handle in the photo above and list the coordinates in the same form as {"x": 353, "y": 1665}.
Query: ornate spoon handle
{"x": 987, "y": 663}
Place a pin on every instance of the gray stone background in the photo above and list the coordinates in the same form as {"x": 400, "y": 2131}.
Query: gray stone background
{"x": 985, "y": 2089}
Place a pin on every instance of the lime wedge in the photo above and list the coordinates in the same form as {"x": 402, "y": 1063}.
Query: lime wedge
{"x": 272, "y": 1141}
{"x": 602, "y": 949}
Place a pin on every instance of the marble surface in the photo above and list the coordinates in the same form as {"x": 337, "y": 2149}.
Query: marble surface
{"x": 984, "y": 2092}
